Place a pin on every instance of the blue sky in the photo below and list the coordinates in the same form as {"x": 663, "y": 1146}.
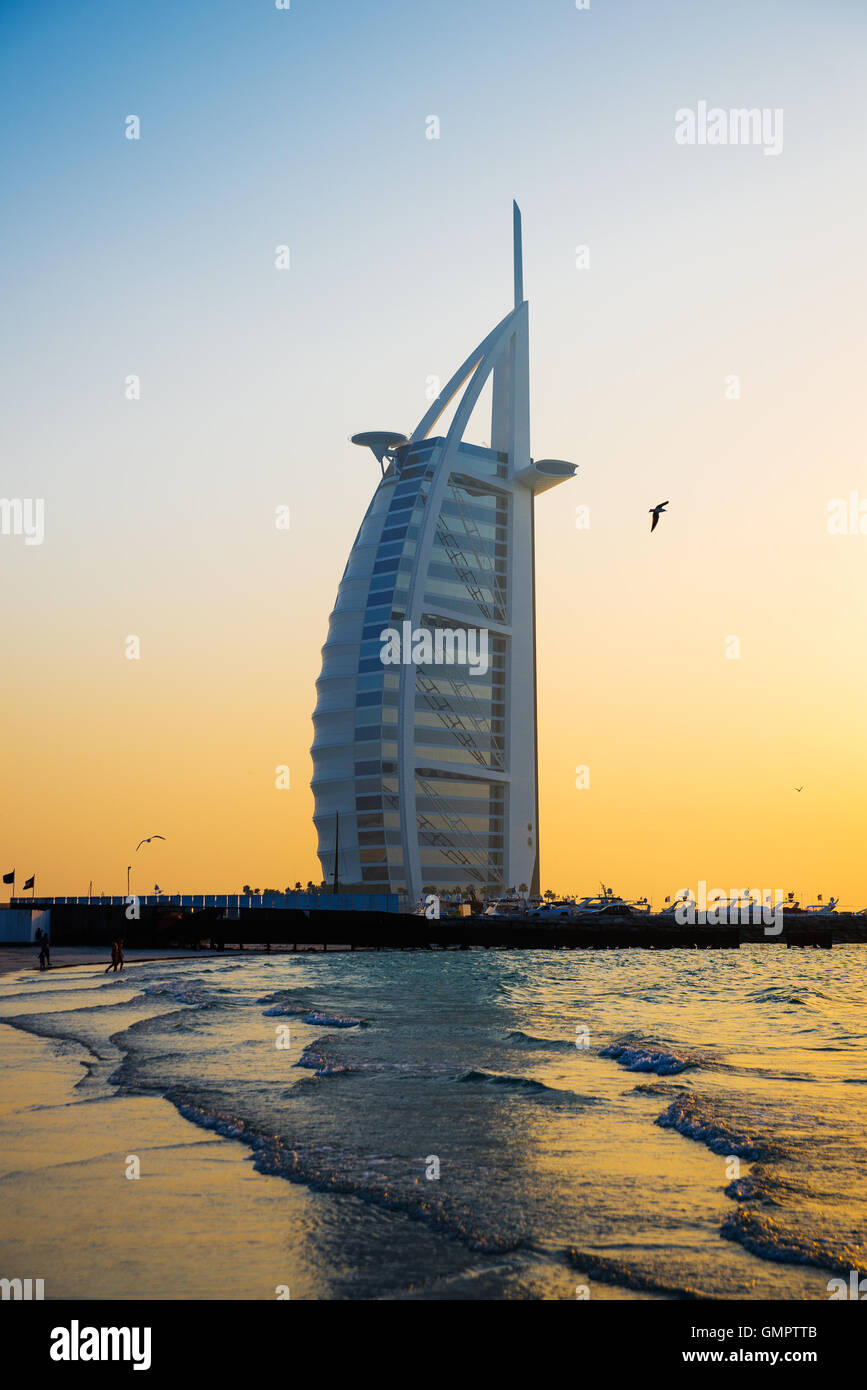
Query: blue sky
{"x": 306, "y": 127}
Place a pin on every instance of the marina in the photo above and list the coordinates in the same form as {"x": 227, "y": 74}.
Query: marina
{"x": 172, "y": 926}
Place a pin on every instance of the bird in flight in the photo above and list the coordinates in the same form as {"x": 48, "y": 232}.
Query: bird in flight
{"x": 657, "y": 513}
{"x": 148, "y": 840}
{"x": 799, "y": 789}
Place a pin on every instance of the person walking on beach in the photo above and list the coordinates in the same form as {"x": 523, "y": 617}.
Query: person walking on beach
{"x": 119, "y": 944}
{"x": 113, "y": 963}
{"x": 44, "y": 958}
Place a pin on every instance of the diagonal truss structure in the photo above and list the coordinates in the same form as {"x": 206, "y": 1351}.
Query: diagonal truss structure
{"x": 432, "y": 769}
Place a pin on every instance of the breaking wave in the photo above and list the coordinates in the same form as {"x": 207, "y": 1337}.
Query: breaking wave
{"x": 764, "y": 1237}
{"x": 317, "y": 1170}
{"x": 616, "y": 1272}
{"x": 653, "y": 1059}
{"x": 699, "y": 1121}
{"x": 517, "y": 1038}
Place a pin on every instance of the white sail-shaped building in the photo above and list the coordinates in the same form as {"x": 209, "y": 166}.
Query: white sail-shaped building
{"x": 425, "y": 774}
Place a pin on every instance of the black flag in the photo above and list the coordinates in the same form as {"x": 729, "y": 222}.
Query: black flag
{"x": 29, "y": 882}
{"x": 10, "y": 877}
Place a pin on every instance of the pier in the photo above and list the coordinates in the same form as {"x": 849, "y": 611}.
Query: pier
{"x": 171, "y": 925}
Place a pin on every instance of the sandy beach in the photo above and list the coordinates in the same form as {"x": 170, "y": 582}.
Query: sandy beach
{"x": 198, "y": 1222}
{"x": 404, "y": 1125}
{"x": 14, "y": 958}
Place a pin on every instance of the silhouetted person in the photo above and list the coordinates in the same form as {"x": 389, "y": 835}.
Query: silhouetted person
{"x": 44, "y": 959}
{"x": 119, "y": 963}
{"x": 113, "y": 965}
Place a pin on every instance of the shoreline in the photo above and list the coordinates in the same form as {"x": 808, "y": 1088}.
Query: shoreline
{"x": 199, "y": 1222}
{"x": 25, "y": 958}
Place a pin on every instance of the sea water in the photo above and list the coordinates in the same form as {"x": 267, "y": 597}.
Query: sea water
{"x": 509, "y": 1124}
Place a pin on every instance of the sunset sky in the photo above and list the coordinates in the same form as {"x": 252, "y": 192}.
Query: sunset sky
{"x": 155, "y": 257}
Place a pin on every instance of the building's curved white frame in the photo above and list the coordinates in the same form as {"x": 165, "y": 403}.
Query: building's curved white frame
{"x": 503, "y": 354}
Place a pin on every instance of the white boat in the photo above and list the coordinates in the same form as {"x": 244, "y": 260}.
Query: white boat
{"x": 506, "y": 907}
{"x": 604, "y": 904}
{"x": 821, "y": 909}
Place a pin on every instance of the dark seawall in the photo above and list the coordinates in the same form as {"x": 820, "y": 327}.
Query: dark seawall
{"x": 169, "y": 926}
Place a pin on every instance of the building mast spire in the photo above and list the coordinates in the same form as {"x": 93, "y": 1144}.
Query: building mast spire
{"x": 519, "y": 258}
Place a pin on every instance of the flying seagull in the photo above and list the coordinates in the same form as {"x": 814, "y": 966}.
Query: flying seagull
{"x": 799, "y": 789}
{"x": 148, "y": 840}
{"x": 657, "y": 513}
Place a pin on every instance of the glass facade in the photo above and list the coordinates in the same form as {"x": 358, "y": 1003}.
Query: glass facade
{"x": 458, "y": 717}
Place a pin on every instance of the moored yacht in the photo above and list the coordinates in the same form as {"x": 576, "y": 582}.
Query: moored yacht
{"x": 506, "y": 907}
{"x": 822, "y": 909}
{"x": 605, "y": 904}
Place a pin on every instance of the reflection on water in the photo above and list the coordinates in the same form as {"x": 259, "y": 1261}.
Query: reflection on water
{"x": 511, "y": 1124}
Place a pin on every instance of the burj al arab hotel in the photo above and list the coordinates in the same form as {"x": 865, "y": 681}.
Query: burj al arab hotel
{"x": 425, "y": 775}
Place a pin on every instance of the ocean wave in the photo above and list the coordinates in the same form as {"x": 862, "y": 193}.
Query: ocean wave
{"x": 288, "y": 996}
{"x": 322, "y": 1020}
{"x": 324, "y": 1073}
{"x": 317, "y": 1057}
{"x": 287, "y": 1003}
{"x": 192, "y": 992}
{"x": 315, "y": 1169}
{"x": 524, "y": 1085}
{"x": 616, "y": 1272}
{"x": 511, "y": 1083}
{"x": 517, "y": 1038}
{"x": 313, "y": 1057}
{"x": 761, "y": 1186}
{"x": 801, "y": 996}
{"x": 764, "y": 1237}
{"x": 660, "y": 1060}
{"x": 745, "y": 1189}
{"x": 696, "y": 1120}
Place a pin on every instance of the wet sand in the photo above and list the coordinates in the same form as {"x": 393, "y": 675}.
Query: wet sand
{"x": 198, "y": 1223}
{"x": 65, "y": 957}
{"x": 62, "y": 957}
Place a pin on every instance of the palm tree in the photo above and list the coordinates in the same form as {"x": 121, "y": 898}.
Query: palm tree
{"x": 523, "y": 888}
